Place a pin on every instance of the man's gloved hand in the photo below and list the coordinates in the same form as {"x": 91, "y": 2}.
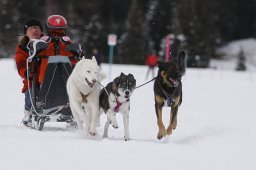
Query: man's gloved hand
{"x": 65, "y": 39}
{"x": 30, "y": 47}
{"x": 46, "y": 38}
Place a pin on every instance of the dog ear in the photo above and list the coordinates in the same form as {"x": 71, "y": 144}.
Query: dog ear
{"x": 130, "y": 76}
{"x": 122, "y": 74}
{"x": 160, "y": 65}
{"x": 182, "y": 63}
{"x": 94, "y": 59}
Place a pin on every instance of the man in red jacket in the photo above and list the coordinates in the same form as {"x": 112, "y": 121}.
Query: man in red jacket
{"x": 151, "y": 61}
{"x": 32, "y": 30}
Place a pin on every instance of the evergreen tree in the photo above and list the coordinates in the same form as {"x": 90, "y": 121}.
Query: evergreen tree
{"x": 236, "y": 19}
{"x": 140, "y": 25}
{"x": 241, "y": 61}
{"x": 161, "y": 22}
{"x": 198, "y": 24}
{"x": 133, "y": 46}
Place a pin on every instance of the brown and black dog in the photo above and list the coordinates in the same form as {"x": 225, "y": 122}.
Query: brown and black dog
{"x": 168, "y": 91}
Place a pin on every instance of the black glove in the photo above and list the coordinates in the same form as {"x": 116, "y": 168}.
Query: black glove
{"x": 30, "y": 47}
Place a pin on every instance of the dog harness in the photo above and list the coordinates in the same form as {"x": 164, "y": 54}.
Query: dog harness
{"x": 84, "y": 97}
{"x": 118, "y": 105}
{"x": 170, "y": 99}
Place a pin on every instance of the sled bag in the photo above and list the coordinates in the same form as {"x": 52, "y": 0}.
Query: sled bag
{"x": 53, "y": 88}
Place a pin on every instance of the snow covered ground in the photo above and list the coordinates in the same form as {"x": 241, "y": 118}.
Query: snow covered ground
{"x": 216, "y": 128}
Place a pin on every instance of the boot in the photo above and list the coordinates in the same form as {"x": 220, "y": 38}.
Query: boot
{"x": 27, "y": 120}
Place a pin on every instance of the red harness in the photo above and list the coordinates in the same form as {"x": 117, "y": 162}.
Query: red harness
{"x": 118, "y": 105}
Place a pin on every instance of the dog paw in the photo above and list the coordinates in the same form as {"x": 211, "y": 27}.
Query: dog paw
{"x": 162, "y": 133}
{"x": 169, "y": 130}
{"x": 127, "y": 138}
{"x": 115, "y": 126}
{"x": 174, "y": 125}
{"x": 93, "y": 133}
{"x": 160, "y": 136}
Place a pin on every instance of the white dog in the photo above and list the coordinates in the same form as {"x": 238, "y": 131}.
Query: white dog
{"x": 83, "y": 91}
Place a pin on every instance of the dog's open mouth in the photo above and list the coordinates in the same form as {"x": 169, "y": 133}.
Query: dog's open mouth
{"x": 174, "y": 82}
{"x": 89, "y": 83}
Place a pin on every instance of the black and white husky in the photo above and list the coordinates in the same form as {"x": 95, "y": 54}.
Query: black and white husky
{"x": 114, "y": 98}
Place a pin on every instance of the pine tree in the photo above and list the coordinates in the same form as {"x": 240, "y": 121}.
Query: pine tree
{"x": 197, "y": 18}
{"x": 133, "y": 45}
{"x": 241, "y": 61}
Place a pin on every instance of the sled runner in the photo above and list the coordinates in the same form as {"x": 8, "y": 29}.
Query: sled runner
{"x": 49, "y": 98}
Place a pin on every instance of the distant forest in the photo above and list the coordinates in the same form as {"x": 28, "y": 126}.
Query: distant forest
{"x": 141, "y": 26}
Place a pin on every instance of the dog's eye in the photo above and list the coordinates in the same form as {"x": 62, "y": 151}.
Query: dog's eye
{"x": 88, "y": 71}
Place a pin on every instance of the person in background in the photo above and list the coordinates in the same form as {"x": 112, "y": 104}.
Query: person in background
{"x": 32, "y": 30}
{"x": 151, "y": 61}
{"x": 97, "y": 55}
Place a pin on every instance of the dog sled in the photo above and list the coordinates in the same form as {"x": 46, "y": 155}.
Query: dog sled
{"x": 50, "y": 101}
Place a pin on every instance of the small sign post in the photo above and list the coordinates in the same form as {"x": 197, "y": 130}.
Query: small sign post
{"x": 112, "y": 39}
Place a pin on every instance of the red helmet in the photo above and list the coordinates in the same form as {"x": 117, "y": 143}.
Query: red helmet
{"x": 56, "y": 25}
